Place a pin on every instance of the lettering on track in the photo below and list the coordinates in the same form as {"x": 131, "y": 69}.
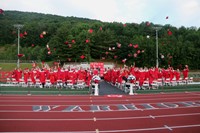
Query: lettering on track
{"x": 117, "y": 107}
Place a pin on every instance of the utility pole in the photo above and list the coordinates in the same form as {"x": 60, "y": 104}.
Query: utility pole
{"x": 18, "y": 26}
{"x": 157, "y": 29}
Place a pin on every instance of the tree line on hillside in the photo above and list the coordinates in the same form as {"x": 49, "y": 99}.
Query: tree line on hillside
{"x": 48, "y": 37}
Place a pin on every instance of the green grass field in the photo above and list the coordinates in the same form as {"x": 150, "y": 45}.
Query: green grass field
{"x": 12, "y": 66}
{"x": 86, "y": 91}
{"x": 43, "y": 91}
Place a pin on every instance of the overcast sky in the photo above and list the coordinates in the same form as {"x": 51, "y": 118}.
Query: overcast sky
{"x": 180, "y": 12}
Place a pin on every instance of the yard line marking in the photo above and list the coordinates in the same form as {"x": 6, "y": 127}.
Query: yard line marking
{"x": 56, "y": 106}
{"x": 168, "y": 127}
{"x": 152, "y": 116}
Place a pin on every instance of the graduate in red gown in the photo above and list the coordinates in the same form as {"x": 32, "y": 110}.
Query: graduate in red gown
{"x": 42, "y": 77}
{"x": 185, "y": 72}
{"x": 26, "y": 75}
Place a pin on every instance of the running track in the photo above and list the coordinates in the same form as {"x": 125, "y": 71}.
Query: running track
{"x": 150, "y": 113}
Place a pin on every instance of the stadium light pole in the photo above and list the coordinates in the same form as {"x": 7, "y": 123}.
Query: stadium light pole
{"x": 157, "y": 29}
{"x": 18, "y": 26}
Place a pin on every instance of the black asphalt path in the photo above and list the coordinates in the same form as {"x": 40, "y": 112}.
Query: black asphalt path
{"x": 108, "y": 89}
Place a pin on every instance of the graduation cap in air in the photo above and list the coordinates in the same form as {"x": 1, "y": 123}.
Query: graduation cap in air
{"x": 87, "y": 40}
{"x": 90, "y": 30}
{"x": 20, "y": 55}
{"x": 1, "y": 11}
{"x": 135, "y": 46}
{"x": 82, "y": 56}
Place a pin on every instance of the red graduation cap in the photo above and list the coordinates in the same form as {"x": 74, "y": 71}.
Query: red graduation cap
{"x": 135, "y": 55}
{"x": 66, "y": 42}
{"x": 69, "y": 59}
{"x": 130, "y": 45}
{"x": 32, "y": 45}
{"x": 20, "y": 55}
{"x": 124, "y": 60}
{"x": 90, "y": 30}
{"x": 55, "y": 63}
{"x": 82, "y": 56}
{"x": 148, "y": 23}
{"x": 70, "y": 45}
{"x": 73, "y": 41}
{"x": 101, "y": 28}
{"x": 41, "y": 36}
{"x": 21, "y": 35}
{"x": 106, "y": 53}
{"x": 25, "y": 33}
{"x": 1, "y": 11}
{"x": 135, "y": 46}
{"x": 87, "y": 40}
{"x": 138, "y": 51}
{"x": 115, "y": 56}
{"x": 118, "y": 45}
{"x": 169, "y": 32}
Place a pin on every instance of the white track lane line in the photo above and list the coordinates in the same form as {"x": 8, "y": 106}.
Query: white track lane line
{"x": 103, "y": 100}
{"x": 107, "y": 119}
{"x": 150, "y": 129}
{"x": 125, "y": 130}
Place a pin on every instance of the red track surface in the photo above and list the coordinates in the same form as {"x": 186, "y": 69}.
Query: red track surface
{"x": 18, "y": 113}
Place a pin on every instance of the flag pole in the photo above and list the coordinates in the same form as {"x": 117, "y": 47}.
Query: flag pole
{"x": 18, "y": 26}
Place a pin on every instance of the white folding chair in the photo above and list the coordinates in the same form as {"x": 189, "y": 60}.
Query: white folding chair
{"x": 190, "y": 80}
{"x": 155, "y": 84}
{"x": 173, "y": 82}
{"x": 8, "y": 81}
{"x": 70, "y": 84}
{"x": 22, "y": 83}
{"x": 145, "y": 85}
{"x": 80, "y": 84}
{"x": 48, "y": 84}
{"x": 14, "y": 82}
{"x": 167, "y": 82}
{"x": 38, "y": 83}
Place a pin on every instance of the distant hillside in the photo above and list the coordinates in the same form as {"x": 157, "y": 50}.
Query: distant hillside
{"x": 49, "y": 37}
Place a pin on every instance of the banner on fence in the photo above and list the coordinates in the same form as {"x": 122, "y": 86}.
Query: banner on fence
{"x": 99, "y": 66}
{"x": 4, "y": 75}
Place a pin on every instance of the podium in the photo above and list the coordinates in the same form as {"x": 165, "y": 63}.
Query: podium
{"x": 96, "y": 90}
